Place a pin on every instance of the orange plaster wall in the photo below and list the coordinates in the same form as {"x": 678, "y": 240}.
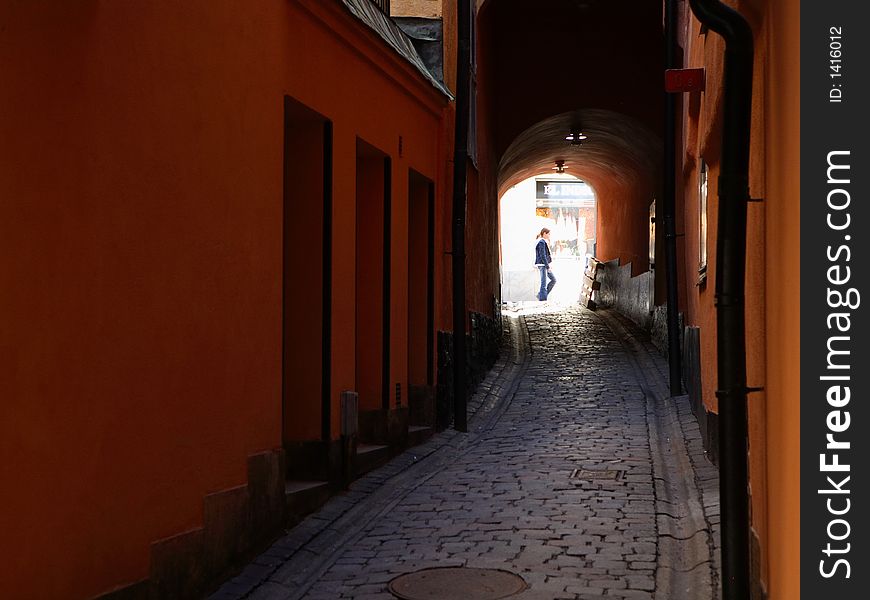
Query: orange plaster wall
{"x": 772, "y": 274}
{"x": 389, "y": 99}
{"x": 141, "y": 257}
{"x": 623, "y": 221}
{"x": 782, "y": 163}
{"x": 702, "y": 140}
{"x": 756, "y": 300}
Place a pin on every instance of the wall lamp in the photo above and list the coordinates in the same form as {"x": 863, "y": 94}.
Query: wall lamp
{"x": 560, "y": 166}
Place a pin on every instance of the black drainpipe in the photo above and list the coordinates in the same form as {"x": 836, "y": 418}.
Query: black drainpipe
{"x": 730, "y": 288}
{"x": 460, "y": 169}
{"x": 669, "y": 208}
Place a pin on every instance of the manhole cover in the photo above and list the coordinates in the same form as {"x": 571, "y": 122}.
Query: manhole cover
{"x": 592, "y": 474}
{"x": 457, "y": 583}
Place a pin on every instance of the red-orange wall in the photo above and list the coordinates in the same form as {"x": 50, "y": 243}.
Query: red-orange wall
{"x": 772, "y": 271}
{"x": 622, "y": 221}
{"x": 140, "y": 264}
{"x": 389, "y": 99}
{"x": 782, "y": 310}
{"x": 140, "y": 257}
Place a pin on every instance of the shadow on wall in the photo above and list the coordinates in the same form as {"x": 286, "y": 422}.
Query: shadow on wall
{"x": 483, "y": 345}
{"x": 633, "y": 297}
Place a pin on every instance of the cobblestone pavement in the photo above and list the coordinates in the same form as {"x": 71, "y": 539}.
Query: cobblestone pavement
{"x": 578, "y": 474}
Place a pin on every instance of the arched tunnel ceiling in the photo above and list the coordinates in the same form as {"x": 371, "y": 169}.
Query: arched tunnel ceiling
{"x": 543, "y": 58}
{"x": 544, "y": 65}
{"x": 619, "y": 149}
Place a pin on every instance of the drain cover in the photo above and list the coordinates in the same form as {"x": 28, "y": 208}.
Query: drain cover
{"x": 457, "y": 583}
{"x": 591, "y": 474}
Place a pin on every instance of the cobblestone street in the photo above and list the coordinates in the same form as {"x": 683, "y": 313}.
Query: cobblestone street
{"x": 578, "y": 474}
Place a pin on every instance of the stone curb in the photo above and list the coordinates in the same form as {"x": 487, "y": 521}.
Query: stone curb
{"x": 686, "y": 509}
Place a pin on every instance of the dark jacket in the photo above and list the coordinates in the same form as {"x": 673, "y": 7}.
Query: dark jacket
{"x": 542, "y": 253}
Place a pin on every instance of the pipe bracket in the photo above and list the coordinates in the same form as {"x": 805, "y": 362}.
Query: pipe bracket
{"x": 722, "y": 394}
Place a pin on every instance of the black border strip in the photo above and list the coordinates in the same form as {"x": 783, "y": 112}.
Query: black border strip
{"x": 834, "y": 260}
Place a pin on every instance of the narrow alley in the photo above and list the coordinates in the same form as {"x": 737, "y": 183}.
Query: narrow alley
{"x": 578, "y": 474}
{"x": 356, "y": 299}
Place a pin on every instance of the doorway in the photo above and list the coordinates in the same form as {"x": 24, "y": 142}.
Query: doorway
{"x": 307, "y": 249}
{"x": 421, "y": 301}
{"x": 373, "y": 223}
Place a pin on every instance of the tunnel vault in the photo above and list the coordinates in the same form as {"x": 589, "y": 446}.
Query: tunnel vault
{"x": 620, "y": 159}
{"x": 542, "y": 67}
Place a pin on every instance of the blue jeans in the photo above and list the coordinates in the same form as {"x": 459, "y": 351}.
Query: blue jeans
{"x": 546, "y": 288}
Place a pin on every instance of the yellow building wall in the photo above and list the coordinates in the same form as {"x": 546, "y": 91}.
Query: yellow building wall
{"x": 415, "y": 8}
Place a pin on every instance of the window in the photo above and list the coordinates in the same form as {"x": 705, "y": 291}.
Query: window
{"x": 702, "y": 222}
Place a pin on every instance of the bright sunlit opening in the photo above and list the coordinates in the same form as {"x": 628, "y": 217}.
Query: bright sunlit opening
{"x": 566, "y": 206}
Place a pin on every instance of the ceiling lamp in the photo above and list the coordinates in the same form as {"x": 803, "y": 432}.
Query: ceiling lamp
{"x": 576, "y": 137}
{"x": 560, "y": 166}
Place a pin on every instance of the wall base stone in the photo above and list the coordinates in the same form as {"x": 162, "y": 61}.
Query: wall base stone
{"x": 237, "y": 524}
{"x": 483, "y": 345}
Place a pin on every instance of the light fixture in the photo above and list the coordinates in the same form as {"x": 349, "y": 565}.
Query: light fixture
{"x": 560, "y": 166}
{"x": 576, "y": 137}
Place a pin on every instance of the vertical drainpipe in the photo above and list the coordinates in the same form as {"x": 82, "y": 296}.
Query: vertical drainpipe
{"x": 669, "y": 209}
{"x": 460, "y": 171}
{"x": 730, "y": 292}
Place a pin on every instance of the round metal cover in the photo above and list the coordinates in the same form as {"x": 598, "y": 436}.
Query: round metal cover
{"x": 457, "y": 583}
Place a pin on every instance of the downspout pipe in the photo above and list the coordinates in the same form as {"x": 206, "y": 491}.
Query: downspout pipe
{"x": 730, "y": 292}
{"x": 460, "y": 190}
{"x": 669, "y": 208}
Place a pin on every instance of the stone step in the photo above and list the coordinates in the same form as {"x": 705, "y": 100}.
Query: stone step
{"x": 303, "y": 498}
{"x": 417, "y": 434}
{"x": 369, "y": 457}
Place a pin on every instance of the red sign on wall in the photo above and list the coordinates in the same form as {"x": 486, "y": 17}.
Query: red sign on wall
{"x": 684, "y": 80}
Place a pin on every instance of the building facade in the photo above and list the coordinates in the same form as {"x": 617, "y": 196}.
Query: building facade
{"x": 772, "y": 271}
{"x": 215, "y": 220}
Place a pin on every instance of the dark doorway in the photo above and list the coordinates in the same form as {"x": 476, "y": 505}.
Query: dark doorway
{"x": 307, "y": 244}
{"x": 421, "y": 306}
{"x": 373, "y": 223}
